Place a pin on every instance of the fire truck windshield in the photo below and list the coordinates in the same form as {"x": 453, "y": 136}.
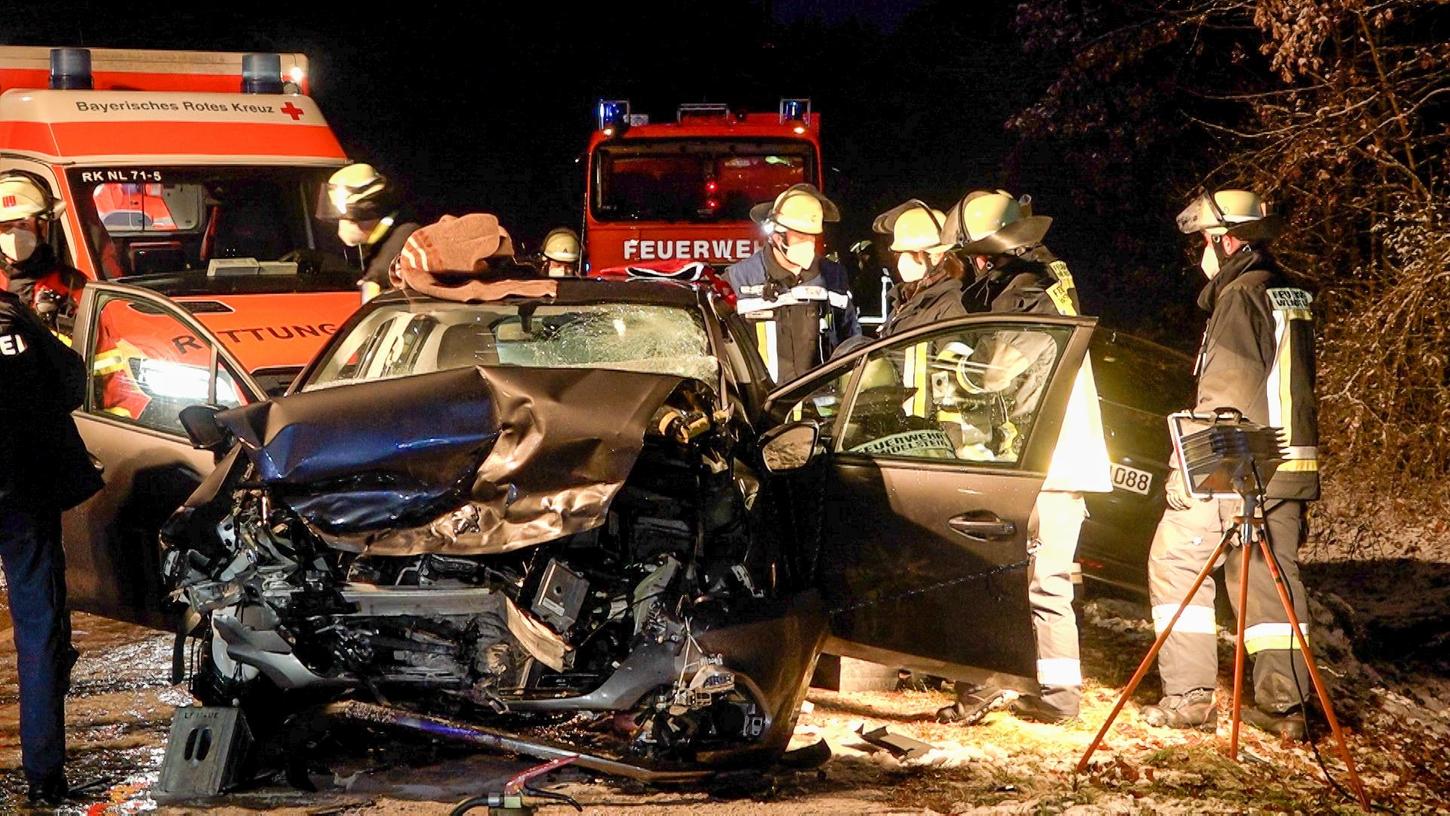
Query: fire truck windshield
{"x": 147, "y": 220}
{"x": 694, "y": 180}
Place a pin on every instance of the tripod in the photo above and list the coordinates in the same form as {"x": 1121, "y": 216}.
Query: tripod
{"x": 1247, "y": 530}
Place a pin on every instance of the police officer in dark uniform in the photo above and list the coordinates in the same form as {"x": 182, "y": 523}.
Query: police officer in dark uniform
{"x": 32, "y": 270}
{"x": 44, "y": 470}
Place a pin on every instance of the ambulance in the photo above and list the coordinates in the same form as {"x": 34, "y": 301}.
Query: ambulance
{"x": 667, "y": 194}
{"x": 187, "y": 189}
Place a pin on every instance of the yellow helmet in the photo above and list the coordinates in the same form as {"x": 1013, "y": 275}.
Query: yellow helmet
{"x": 994, "y": 223}
{"x": 21, "y": 197}
{"x": 801, "y": 207}
{"x": 562, "y": 245}
{"x": 358, "y": 192}
{"x": 914, "y": 227}
{"x": 1240, "y": 213}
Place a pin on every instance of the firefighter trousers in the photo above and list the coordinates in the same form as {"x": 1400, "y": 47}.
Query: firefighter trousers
{"x": 34, "y": 565}
{"x": 1189, "y": 659}
{"x": 1056, "y": 521}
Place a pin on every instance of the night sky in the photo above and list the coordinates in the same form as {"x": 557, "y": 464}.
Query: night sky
{"x": 488, "y": 106}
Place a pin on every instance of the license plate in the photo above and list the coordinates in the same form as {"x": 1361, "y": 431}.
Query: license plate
{"x": 1132, "y": 480}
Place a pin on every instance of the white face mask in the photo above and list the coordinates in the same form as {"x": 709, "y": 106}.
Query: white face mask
{"x": 560, "y": 270}
{"x": 351, "y": 233}
{"x": 911, "y": 269}
{"x": 18, "y": 244}
{"x": 1209, "y": 261}
{"x": 802, "y": 254}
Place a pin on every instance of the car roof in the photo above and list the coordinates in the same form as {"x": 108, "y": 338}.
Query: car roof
{"x": 580, "y": 290}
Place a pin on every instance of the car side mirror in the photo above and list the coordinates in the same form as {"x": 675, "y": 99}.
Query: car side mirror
{"x": 202, "y": 428}
{"x": 789, "y": 447}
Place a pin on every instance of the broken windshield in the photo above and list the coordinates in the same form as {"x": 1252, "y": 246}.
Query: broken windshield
{"x": 402, "y": 339}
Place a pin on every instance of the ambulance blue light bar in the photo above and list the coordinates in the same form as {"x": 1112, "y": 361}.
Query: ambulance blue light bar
{"x": 262, "y": 73}
{"x": 70, "y": 69}
{"x": 613, "y": 116}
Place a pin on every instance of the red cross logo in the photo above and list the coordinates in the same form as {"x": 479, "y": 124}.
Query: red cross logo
{"x": 293, "y": 111}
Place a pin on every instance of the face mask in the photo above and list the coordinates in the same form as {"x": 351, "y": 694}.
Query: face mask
{"x": 351, "y": 233}
{"x": 1209, "y": 261}
{"x": 910, "y": 268}
{"x": 802, "y": 254}
{"x": 558, "y": 270}
{"x": 18, "y": 244}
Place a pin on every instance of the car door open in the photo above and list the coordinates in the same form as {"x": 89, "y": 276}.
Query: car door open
{"x": 147, "y": 359}
{"x": 938, "y": 443}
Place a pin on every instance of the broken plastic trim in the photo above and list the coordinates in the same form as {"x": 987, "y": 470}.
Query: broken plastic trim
{"x": 501, "y": 741}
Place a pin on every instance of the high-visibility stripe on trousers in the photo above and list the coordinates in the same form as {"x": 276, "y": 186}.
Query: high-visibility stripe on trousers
{"x": 1189, "y": 659}
{"x": 1056, "y": 521}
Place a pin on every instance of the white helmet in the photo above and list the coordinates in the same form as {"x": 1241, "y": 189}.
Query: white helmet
{"x": 562, "y": 245}
{"x": 994, "y": 223}
{"x": 914, "y": 227}
{"x": 1240, "y": 213}
{"x": 801, "y": 207}
{"x": 21, "y": 197}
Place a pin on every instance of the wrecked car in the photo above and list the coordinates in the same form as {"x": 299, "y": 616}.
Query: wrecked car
{"x": 588, "y": 512}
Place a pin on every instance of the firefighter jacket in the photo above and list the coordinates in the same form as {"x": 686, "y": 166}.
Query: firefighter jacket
{"x": 378, "y": 255}
{"x": 934, "y": 299}
{"x": 799, "y": 319}
{"x": 48, "y": 287}
{"x": 1258, "y": 357}
{"x": 42, "y": 458}
{"x": 1036, "y": 282}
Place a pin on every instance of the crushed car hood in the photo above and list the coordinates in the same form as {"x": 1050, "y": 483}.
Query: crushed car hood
{"x": 463, "y": 462}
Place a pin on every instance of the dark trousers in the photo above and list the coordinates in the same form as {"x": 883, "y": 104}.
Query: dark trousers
{"x": 34, "y": 564}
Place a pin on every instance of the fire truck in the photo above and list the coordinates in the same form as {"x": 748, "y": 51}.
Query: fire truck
{"x": 666, "y": 194}
{"x": 187, "y": 188}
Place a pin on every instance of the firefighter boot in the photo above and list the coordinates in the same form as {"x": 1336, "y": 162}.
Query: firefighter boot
{"x": 973, "y": 703}
{"x": 1194, "y": 709}
{"x": 1037, "y": 709}
{"x": 1286, "y": 724}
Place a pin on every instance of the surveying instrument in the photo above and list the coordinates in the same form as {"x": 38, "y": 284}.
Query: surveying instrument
{"x": 1222, "y": 456}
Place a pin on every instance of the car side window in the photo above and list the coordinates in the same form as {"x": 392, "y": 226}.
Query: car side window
{"x": 146, "y": 365}
{"x": 970, "y": 394}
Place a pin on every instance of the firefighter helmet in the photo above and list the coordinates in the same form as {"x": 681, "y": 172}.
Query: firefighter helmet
{"x": 562, "y": 245}
{"x": 22, "y": 197}
{"x": 801, "y": 207}
{"x": 358, "y": 192}
{"x": 1240, "y": 213}
{"x": 914, "y": 227}
{"x": 994, "y": 223}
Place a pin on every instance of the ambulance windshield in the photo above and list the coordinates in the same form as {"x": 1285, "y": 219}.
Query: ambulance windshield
{"x": 149, "y": 220}
{"x": 694, "y": 180}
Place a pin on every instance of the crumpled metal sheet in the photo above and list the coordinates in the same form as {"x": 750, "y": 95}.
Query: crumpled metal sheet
{"x": 499, "y": 458}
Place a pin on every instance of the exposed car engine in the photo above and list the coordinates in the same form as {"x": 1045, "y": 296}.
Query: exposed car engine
{"x": 601, "y": 626}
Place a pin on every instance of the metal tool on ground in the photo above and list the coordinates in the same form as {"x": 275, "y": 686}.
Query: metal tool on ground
{"x": 511, "y": 801}
{"x": 1229, "y": 457}
{"x": 205, "y": 752}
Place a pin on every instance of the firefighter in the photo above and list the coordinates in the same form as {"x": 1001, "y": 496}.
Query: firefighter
{"x": 369, "y": 217}
{"x": 931, "y": 276}
{"x": 44, "y": 470}
{"x": 800, "y": 303}
{"x": 1257, "y": 357}
{"x": 1016, "y": 273}
{"x": 561, "y": 253}
{"x": 32, "y": 270}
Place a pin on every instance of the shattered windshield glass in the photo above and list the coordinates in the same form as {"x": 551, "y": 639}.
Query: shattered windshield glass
{"x": 402, "y": 339}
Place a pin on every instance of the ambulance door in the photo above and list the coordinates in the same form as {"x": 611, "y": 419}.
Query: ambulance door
{"x": 148, "y": 358}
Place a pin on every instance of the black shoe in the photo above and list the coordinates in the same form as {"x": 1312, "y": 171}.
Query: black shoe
{"x": 1287, "y": 725}
{"x": 1036, "y": 709}
{"x": 1194, "y": 709}
{"x": 970, "y": 707}
{"x": 50, "y": 792}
